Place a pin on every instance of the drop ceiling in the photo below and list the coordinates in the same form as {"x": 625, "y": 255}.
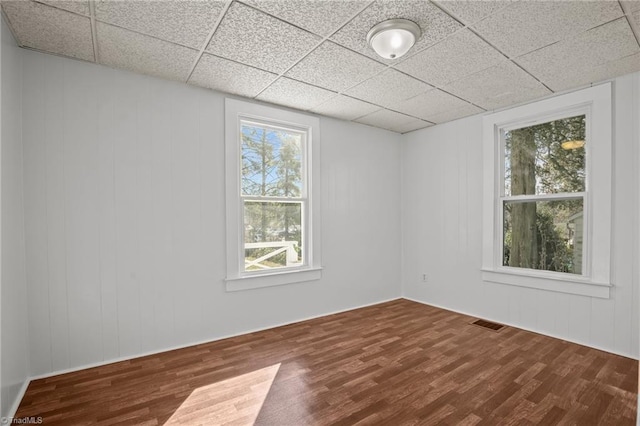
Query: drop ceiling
{"x": 312, "y": 55}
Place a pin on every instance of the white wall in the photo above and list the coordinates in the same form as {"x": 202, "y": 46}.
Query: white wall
{"x": 14, "y": 369}
{"x": 125, "y": 234}
{"x": 442, "y": 237}
{"x": 124, "y": 196}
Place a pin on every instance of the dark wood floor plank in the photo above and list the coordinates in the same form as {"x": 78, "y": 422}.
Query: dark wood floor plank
{"x": 400, "y": 363}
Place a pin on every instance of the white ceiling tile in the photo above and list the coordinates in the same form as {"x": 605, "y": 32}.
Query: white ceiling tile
{"x": 388, "y": 88}
{"x": 499, "y": 86}
{"x": 576, "y": 77}
{"x": 230, "y": 77}
{"x": 390, "y": 120}
{"x": 435, "y": 24}
{"x": 333, "y": 67}
{"x": 472, "y": 11}
{"x": 564, "y": 44}
{"x": 254, "y": 38}
{"x": 412, "y": 126}
{"x": 178, "y": 21}
{"x": 582, "y": 59}
{"x": 430, "y": 103}
{"x": 49, "y": 29}
{"x": 529, "y": 25}
{"x": 321, "y": 17}
{"x": 631, "y": 5}
{"x": 295, "y": 94}
{"x": 454, "y": 114}
{"x": 457, "y": 56}
{"x": 634, "y": 17}
{"x": 121, "y": 48}
{"x": 345, "y": 108}
{"x": 76, "y": 6}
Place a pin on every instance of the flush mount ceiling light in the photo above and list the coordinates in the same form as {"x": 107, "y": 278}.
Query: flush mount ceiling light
{"x": 393, "y": 38}
{"x": 572, "y": 144}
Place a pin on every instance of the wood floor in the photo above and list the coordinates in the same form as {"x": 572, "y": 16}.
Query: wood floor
{"x": 391, "y": 364}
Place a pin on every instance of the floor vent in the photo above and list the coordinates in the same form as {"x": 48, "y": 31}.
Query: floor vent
{"x": 488, "y": 324}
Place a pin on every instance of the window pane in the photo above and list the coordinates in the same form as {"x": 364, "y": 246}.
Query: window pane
{"x": 546, "y": 158}
{"x": 271, "y": 162}
{"x": 272, "y": 235}
{"x": 546, "y": 235}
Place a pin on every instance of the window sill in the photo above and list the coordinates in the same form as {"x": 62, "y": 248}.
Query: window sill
{"x": 550, "y": 282}
{"x": 273, "y": 279}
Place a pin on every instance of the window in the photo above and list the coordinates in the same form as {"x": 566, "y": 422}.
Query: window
{"x": 272, "y": 184}
{"x": 547, "y": 194}
{"x": 274, "y": 196}
{"x": 542, "y": 197}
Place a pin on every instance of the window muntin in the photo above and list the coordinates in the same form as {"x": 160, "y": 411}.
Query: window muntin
{"x": 542, "y": 202}
{"x": 274, "y": 196}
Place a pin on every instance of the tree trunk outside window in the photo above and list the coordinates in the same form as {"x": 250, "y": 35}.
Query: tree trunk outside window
{"x": 524, "y": 250}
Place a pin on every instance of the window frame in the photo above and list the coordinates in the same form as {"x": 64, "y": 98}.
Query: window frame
{"x": 595, "y": 279}
{"x": 236, "y": 113}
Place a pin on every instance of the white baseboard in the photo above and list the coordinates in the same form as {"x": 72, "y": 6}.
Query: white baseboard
{"x": 155, "y": 352}
{"x": 16, "y": 403}
{"x": 215, "y": 339}
{"x": 568, "y": 339}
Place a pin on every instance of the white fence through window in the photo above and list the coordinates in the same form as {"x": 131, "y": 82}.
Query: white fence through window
{"x": 279, "y": 246}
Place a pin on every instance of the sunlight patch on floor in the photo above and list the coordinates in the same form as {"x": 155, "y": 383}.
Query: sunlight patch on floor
{"x": 237, "y": 400}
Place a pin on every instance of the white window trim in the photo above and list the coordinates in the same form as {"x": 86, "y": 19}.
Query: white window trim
{"x": 237, "y": 279}
{"x": 596, "y": 279}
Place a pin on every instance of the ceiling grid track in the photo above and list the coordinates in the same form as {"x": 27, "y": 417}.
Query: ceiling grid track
{"x": 509, "y": 58}
{"x": 94, "y": 30}
{"x": 626, "y": 9}
{"x": 387, "y": 67}
{"x": 323, "y": 64}
{"x": 314, "y": 48}
{"x": 225, "y": 9}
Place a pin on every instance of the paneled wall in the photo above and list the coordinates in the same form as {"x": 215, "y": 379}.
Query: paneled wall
{"x": 125, "y": 229}
{"x": 124, "y": 196}
{"x": 442, "y": 237}
{"x": 14, "y": 355}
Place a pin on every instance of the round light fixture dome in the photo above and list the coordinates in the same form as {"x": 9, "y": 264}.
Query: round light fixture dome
{"x": 393, "y": 38}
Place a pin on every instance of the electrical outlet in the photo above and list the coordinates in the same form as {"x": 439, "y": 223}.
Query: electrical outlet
{"x": 424, "y": 278}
